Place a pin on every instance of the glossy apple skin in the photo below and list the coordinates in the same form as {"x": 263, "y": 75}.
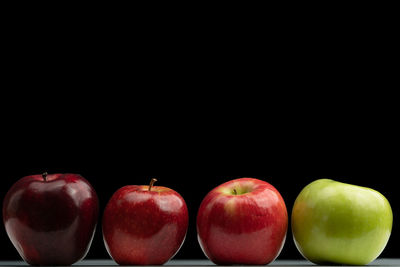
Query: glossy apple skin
{"x": 142, "y": 227}
{"x": 247, "y": 228}
{"x": 51, "y": 222}
{"x": 338, "y": 223}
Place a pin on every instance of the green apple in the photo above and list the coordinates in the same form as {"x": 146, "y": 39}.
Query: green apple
{"x": 334, "y": 222}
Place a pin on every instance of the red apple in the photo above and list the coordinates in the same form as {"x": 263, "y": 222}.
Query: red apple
{"x": 51, "y": 219}
{"x": 243, "y": 221}
{"x": 144, "y": 225}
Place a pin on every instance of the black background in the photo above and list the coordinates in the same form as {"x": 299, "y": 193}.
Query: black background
{"x": 199, "y": 105}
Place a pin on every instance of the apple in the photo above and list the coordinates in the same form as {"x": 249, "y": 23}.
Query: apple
{"x": 51, "y": 218}
{"x": 339, "y": 223}
{"x": 144, "y": 224}
{"x": 242, "y": 221}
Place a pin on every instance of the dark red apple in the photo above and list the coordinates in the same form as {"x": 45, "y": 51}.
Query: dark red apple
{"x": 144, "y": 225}
{"x": 243, "y": 221}
{"x": 51, "y": 219}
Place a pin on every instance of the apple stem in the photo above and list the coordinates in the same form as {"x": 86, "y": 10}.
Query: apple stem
{"x": 44, "y": 175}
{"x": 234, "y": 191}
{"x": 153, "y": 180}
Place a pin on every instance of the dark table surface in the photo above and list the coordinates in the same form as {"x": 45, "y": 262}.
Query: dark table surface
{"x": 288, "y": 263}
